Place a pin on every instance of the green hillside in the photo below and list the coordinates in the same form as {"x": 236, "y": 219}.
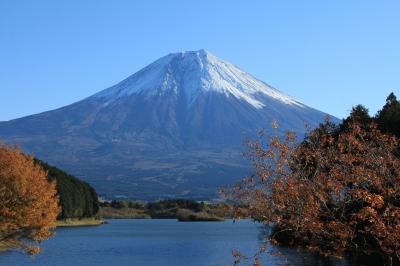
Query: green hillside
{"x": 77, "y": 198}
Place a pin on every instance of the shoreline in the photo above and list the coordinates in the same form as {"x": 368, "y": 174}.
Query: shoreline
{"x": 77, "y": 222}
{"x": 4, "y": 247}
{"x": 70, "y": 222}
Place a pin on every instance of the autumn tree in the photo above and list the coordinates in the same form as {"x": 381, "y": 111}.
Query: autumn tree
{"x": 28, "y": 201}
{"x": 337, "y": 192}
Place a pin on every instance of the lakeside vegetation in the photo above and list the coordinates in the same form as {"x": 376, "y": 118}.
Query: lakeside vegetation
{"x": 181, "y": 209}
{"x": 77, "y": 198}
{"x": 36, "y": 197}
{"x": 72, "y": 222}
{"x": 336, "y": 193}
{"x": 29, "y": 202}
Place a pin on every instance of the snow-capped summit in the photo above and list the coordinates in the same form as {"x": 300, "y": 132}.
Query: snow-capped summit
{"x": 193, "y": 73}
{"x": 172, "y": 130}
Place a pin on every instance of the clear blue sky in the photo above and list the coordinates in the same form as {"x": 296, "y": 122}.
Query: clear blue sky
{"x": 330, "y": 55}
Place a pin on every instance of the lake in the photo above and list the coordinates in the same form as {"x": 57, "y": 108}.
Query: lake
{"x": 159, "y": 242}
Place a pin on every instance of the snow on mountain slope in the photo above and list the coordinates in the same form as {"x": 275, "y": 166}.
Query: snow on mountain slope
{"x": 174, "y": 129}
{"x": 193, "y": 73}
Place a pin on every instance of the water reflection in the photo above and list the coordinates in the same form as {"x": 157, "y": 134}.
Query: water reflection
{"x": 161, "y": 242}
{"x": 290, "y": 256}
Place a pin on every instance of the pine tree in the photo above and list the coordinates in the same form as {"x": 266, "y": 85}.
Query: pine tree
{"x": 388, "y": 118}
{"x": 359, "y": 114}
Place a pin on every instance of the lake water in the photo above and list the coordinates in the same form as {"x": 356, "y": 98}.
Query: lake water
{"x": 158, "y": 242}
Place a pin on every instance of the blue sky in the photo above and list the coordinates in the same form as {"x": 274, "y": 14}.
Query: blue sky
{"x": 330, "y": 55}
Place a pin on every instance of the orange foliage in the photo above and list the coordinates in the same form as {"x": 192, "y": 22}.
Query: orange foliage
{"x": 336, "y": 192}
{"x": 28, "y": 202}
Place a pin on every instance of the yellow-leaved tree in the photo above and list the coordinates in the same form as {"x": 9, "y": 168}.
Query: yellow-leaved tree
{"x": 29, "y": 203}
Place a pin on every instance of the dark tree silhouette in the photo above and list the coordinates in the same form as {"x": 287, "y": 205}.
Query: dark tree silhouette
{"x": 388, "y": 118}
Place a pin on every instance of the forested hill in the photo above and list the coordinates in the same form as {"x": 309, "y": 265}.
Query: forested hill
{"x": 77, "y": 198}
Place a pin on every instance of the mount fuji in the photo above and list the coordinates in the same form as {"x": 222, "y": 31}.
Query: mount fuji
{"x": 172, "y": 130}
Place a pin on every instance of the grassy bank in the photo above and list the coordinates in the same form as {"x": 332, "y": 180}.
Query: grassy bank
{"x": 4, "y": 246}
{"x": 92, "y": 221}
{"x": 9, "y": 245}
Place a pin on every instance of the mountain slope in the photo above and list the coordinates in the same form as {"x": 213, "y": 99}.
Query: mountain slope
{"x": 173, "y": 129}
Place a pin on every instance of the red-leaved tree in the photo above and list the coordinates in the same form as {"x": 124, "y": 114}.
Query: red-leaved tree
{"x": 335, "y": 193}
{"x": 28, "y": 201}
